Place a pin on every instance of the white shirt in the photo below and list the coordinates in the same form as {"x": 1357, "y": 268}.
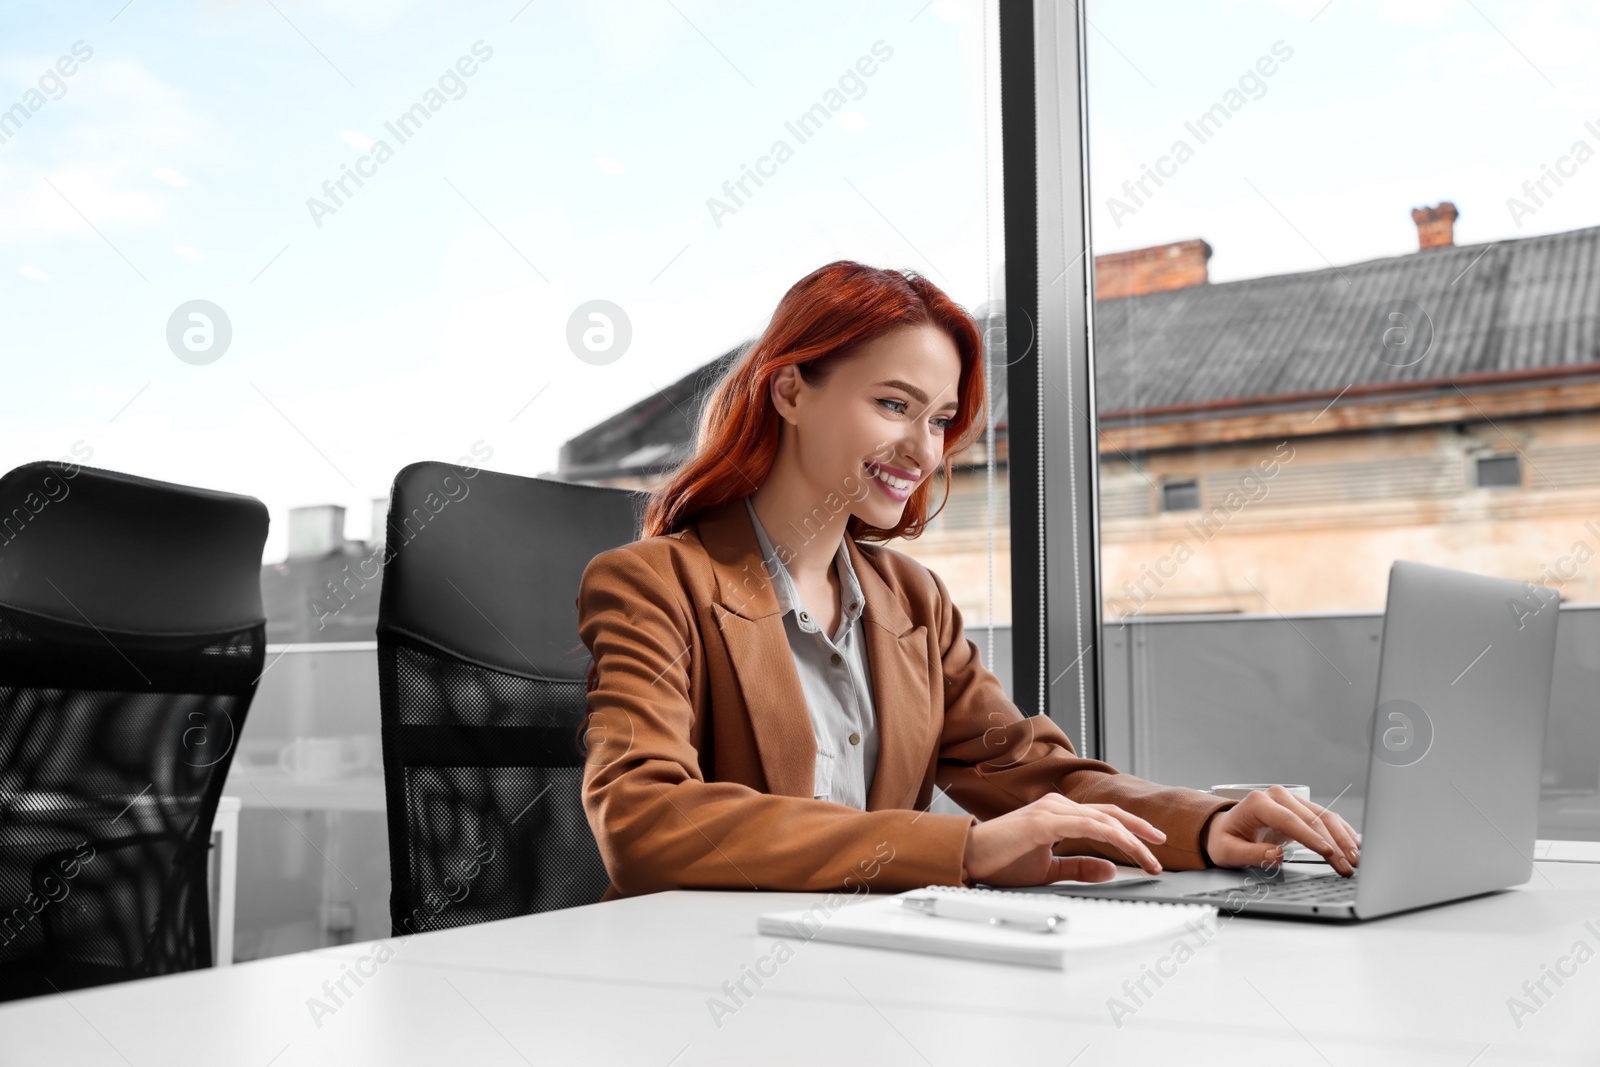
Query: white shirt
{"x": 834, "y": 677}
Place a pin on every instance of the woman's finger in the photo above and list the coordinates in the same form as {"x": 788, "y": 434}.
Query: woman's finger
{"x": 1343, "y": 833}
{"x": 1325, "y": 822}
{"x": 1081, "y": 869}
{"x": 1278, "y": 816}
{"x": 1118, "y": 818}
{"x": 1099, "y": 826}
{"x": 1061, "y": 817}
{"x": 1143, "y": 828}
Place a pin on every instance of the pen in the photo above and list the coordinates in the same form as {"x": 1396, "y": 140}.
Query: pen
{"x": 995, "y": 914}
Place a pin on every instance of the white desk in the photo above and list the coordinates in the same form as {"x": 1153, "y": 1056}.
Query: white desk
{"x": 631, "y": 981}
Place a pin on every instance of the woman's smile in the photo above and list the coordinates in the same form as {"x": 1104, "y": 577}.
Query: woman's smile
{"x": 896, "y": 487}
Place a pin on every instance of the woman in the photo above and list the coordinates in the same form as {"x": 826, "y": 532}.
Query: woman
{"x": 774, "y": 695}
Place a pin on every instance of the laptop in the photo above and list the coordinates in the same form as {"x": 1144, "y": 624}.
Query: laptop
{"x": 1455, "y": 747}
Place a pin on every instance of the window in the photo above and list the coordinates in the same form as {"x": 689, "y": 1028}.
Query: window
{"x": 390, "y": 273}
{"x": 1182, "y": 495}
{"x": 1498, "y": 472}
{"x": 1338, "y": 371}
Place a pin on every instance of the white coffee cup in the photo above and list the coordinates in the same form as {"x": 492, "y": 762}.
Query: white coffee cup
{"x": 1239, "y": 792}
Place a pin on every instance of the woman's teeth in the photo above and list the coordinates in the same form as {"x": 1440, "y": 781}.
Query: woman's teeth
{"x": 901, "y": 484}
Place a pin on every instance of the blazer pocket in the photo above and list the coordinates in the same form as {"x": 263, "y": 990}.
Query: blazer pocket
{"x": 823, "y": 780}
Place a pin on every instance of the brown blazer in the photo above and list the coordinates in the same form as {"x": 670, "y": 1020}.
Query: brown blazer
{"x": 701, "y": 751}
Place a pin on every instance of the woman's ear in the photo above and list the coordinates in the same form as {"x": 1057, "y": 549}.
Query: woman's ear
{"x": 784, "y": 388}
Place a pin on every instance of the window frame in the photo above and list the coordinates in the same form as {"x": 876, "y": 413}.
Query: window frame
{"x": 1055, "y": 528}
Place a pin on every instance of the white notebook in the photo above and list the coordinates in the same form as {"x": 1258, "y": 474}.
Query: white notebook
{"x": 1087, "y": 924}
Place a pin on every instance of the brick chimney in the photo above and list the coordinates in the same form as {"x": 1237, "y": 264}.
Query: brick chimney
{"x": 1150, "y": 270}
{"x": 1436, "y": 226}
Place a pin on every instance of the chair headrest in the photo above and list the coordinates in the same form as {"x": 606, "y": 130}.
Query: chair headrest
{"x": 486, "y": 565}
{"x": 129, "y": 554}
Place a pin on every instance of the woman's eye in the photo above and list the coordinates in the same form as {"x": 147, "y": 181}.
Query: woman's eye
{"x": 943, "y": 422}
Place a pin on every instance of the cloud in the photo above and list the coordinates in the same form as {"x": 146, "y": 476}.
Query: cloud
{"x": 1422, "y": 13}
{"x": 369, "y": 14}
{"x": 1567, "y": 98}
{"x": 127, "y": 126}
{"x": 31, "y": 209}
{"x": 629, "y": 39}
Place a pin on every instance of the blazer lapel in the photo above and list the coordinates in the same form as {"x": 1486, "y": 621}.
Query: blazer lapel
{"x": 897, "y": 654}
{"x": 758, "y": 646}
{"x": 747, "y": 613}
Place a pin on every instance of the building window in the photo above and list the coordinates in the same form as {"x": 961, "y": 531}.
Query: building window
{"x": 1180, "y": 495}
{"x": 1500, "y": 471}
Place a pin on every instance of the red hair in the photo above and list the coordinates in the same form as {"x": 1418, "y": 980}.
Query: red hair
{"x": 821, "y": 320}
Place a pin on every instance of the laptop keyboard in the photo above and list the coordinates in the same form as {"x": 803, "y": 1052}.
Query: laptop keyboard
{"x": 1313, "y": 889}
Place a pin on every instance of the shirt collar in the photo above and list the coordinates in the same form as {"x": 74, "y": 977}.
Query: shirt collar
{"x": 783, "y": 585}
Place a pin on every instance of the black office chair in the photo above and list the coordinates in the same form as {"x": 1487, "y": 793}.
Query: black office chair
{"x": 482, "y": 686}
{"x": 131, "y": 638}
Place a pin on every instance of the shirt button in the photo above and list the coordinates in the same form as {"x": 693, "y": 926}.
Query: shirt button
{"x": 855, "y": 739}
{"x": 836, "y": 659}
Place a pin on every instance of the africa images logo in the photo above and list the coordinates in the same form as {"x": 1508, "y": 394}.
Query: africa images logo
{"x": 1400, "y": 332}
{"x": 199, "y": 332}
{"x": 1400, "y": 732}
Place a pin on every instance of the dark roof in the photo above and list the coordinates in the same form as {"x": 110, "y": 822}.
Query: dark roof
{"x": 1512, "y": 306}
{"x": 655, "y": 434}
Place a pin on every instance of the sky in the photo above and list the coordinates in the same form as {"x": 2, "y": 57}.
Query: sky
{"x": 1381, "y": 106}
{"x": 430, "y": 310}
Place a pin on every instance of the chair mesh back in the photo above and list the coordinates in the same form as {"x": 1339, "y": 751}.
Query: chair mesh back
{"x": 113, "y": 748}
{"x": 489, "y": 775}
{"x": 482, "y": 684}
{"x": 131, "y": 638}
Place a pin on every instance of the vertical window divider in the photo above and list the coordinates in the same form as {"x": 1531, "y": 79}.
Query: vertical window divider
{"x": 1056, "y": 608}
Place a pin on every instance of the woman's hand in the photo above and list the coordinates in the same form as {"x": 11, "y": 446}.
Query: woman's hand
{"x": 1252, "y": 832}
{"x": 1015, "y": 848}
